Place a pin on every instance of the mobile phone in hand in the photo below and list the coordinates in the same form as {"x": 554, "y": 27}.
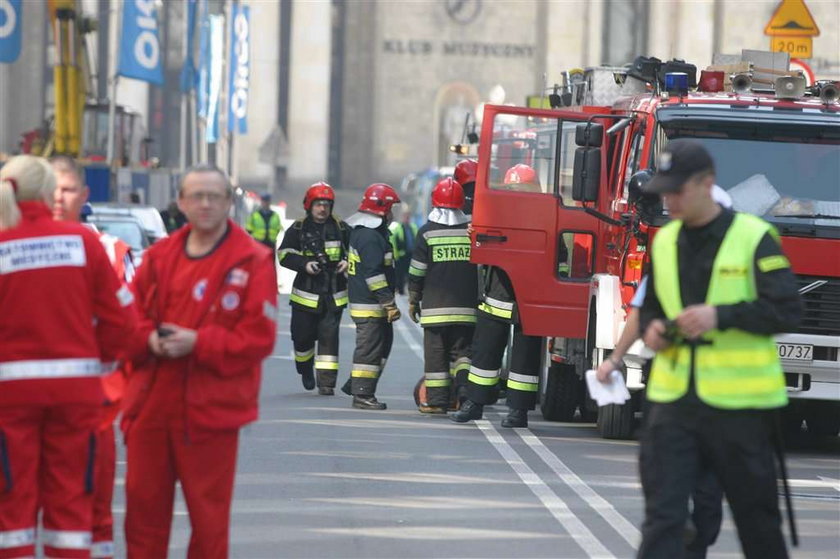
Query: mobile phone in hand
{"x": 163, "y": 332}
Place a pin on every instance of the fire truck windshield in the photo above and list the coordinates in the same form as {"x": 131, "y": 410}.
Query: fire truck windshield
{"x": 786, "y": 175}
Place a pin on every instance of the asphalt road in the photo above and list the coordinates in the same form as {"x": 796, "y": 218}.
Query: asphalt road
{"x": 319, "y": 479}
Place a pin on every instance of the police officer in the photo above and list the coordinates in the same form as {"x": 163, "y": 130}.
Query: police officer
{"x": 403, "y": 235}
{"x": 720, "y": 288}
{"x": 371, "y": 287}
{"x": 444, "y": 283}
{"x": 264, "y": 224}
{"x": 496, "y": 313}
{"x": 316, "y": 248}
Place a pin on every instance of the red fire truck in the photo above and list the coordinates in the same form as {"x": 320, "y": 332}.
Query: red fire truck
{"x": 575, "y": 245}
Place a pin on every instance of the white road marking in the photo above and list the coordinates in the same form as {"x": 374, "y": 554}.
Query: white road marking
{"x": 408, "y": 339}
{"x": 555, "y": 505}
{"x": 624, "y": 527}
{"x": 283, "y": 357}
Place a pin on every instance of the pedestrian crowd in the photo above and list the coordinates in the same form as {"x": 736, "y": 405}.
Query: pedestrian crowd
{"x": 176, "y": 346}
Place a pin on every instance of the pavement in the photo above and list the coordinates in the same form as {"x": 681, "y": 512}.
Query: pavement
{"x": 319, "y": 479}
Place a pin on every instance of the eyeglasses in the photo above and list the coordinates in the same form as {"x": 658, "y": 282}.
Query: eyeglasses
{"x": 212, "y": 197}
{"x": 322, "y": 203}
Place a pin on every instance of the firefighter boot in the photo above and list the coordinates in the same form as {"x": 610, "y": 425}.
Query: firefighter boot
{"x": 307, "y": 374}
{"x": 516, "y": 418}
{"x": 469, "y": 411}
{"x": 326, "y": 382}
{"x": 347, "y": 387}
{"x": 368, "y": 403}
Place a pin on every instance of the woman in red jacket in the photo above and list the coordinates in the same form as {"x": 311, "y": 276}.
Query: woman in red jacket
{"x": 65, "y": 316}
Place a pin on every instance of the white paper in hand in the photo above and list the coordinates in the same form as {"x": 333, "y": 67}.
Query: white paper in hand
{"x": 613, "y": 392}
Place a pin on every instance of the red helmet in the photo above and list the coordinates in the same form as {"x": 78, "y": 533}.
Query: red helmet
{"x": 318, "y": 191}
{"x": 378, "y": 199}
{"x": 465, "y": 171}
{"x": 521, "y": 174}
{"x": 448, "y": 193}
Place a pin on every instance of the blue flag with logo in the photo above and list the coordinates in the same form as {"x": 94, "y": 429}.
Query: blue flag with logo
{"x": 141, "y": 57}
{"x": 217, "y": 55}
{"x": 203, "y": 79}
{"x": 188, "y": 72}
{"x": 240, "y": 70}
{"x": 11, "y": 23}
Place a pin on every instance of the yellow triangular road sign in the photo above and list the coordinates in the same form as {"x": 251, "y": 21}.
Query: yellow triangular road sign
{"x": 792, "y": 19}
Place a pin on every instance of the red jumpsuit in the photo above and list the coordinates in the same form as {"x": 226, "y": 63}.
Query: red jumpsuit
{"x": 113, "y": 385}
{"x": 65, "y": 317}
{"x": 181, "y": 417}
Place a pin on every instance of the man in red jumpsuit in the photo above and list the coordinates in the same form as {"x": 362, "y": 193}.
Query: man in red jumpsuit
{"x": 207, "y": 297}
{"x": 53, "y": 349}
{"x": 70, "y": 195}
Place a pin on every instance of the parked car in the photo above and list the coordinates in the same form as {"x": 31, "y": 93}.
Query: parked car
{"x": 148, "y": 216}
{"x": 127, "y": 228}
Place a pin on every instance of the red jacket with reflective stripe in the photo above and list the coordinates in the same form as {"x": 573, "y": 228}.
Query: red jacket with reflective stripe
{"x": 223, "y": 371}
{"x": 62, "y": 309}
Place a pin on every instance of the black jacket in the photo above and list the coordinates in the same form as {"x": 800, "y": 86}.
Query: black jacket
{"x": 371, "y": 272}
{"x": 442, "y": 277}
{"x": 308, "y": 241}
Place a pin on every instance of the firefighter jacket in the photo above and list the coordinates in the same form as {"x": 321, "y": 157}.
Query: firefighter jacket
{"x": 65, "y": 315}
{"x": 370, "y": 272}
{"x": 442, "y": 277}
{"x": 307, "y": 241}
{"x": 236, "y": 329}
{"x": 498, "y": 301}
{"x": 264, "y": 230}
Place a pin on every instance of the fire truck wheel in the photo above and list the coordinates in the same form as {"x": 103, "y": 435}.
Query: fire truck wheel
{"x": 822, "y": 418}
{"x": 616, "y": 422}
{"x": 562, "y": 393}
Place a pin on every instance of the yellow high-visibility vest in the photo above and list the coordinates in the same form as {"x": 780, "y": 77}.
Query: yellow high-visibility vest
{"x": 738, "y": 370}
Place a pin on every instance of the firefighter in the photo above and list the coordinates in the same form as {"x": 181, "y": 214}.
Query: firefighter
{"x": 403, "y": 239}
{"x": 720, "y": 288}
{"x": 65, "y": 319}
{"x": 264, "y": 224}
{"x": 443, "y": 294}
{"x": 465, "y": 172}
{"x": 207, "y": 298}
{"x": 70, "y": 204}
{"x": 371, "y": 287}
{"x": 496, "y": 312}
{"x": 316, "y": 248}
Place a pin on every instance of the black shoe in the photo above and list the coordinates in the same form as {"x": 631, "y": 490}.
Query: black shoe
{"x": 368, "y": 403}
{"x": 308, "y": 379}
{"x": 469, "y": 411}
{"x": 325, "y": 391}
{"x": 516, "y": 418}
{"x": 346, "y": 387}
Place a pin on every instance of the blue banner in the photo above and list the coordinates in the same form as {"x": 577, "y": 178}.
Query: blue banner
{"x": 203, "y": 79}
{"x": 11, "y": 23}
{"x": 188, "y": 72}
{"x": 240, "y": 69}
{"x": 140, "y": 54}
{"x": 217, "y": 55}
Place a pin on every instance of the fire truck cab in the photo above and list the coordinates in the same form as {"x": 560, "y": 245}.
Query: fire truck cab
{"x": 574, "y": 241}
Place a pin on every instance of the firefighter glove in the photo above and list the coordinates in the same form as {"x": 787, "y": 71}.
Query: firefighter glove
{"x": 414, "y": 311}
{"x": 392, "y": 312}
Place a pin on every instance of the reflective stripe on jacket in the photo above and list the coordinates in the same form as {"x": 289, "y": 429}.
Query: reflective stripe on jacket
{"x": 737, "y": 369}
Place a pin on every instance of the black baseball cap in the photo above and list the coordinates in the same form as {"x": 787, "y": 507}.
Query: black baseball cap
{"x": 679, "y": 161}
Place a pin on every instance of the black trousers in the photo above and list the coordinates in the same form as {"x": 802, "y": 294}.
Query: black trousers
{"x": 446, "y": 357}
{"x": 374, "y": 338}
{"x": 679, "y": 442}
{"x": 322, "y": 327}
{"x": 488, "y": 349}
{"x": 401, "y": 267}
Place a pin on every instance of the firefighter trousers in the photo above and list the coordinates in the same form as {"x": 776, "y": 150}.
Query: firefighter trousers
{"x": 160, "y": 452}
{"x": 446, "y": 361}
{"x": 103, "y": 494}
{"x": 374, "y": 338}
{"x": 488, "y": 348}
{"x": 676, "y": 444}
{"x": 321, "y": 327}
{"x": 47, "y": 461}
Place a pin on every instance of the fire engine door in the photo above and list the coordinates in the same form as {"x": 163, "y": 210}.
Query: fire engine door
{"x": 525, "y": 220}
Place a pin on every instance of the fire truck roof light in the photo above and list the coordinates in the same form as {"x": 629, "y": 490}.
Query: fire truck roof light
{"x": 676, "y": 82}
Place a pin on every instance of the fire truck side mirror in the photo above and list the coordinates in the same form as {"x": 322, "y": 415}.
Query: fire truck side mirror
{"x": 587, "y": 170}
{"x": 589, "y": 134}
